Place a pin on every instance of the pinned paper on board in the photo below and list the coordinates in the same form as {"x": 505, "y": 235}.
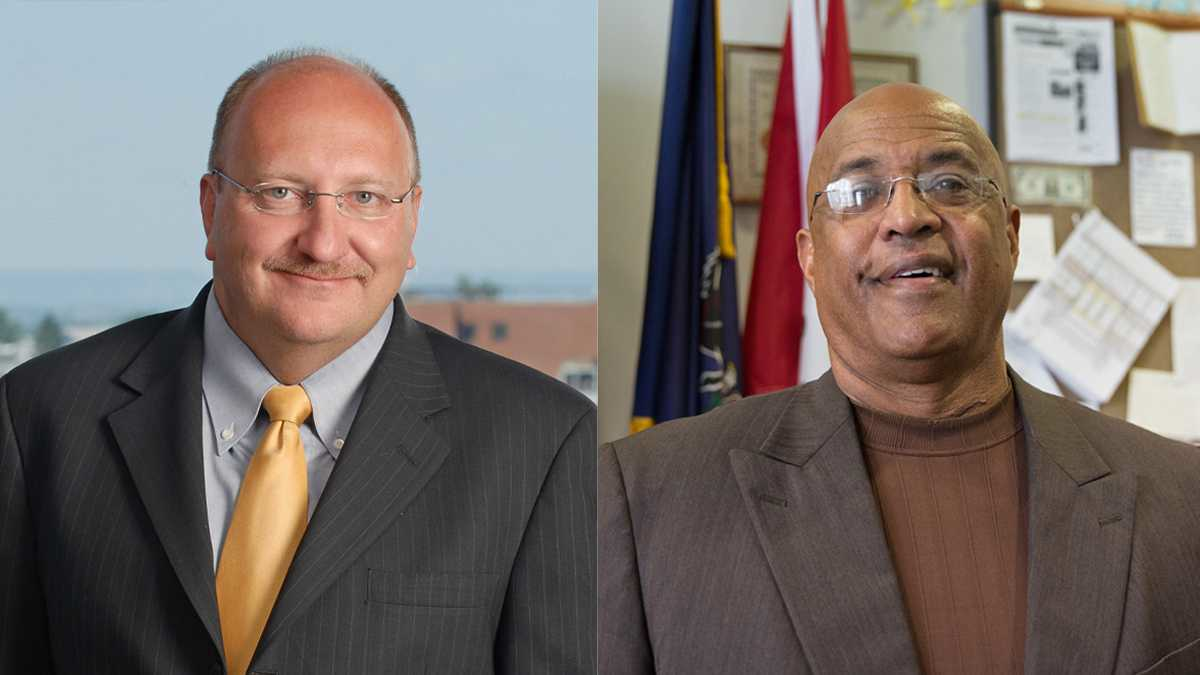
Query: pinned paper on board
{"x": 1185, "y": 330}
{"x": 1165, "y": 403}
{"x": 1025, "y": 360}
{"x": 1060, "y": 90}
{"x": 1163, "y": 64}
{"x": 1037, "y": 247}
{"x": 1092, "y": 316}
{"x": 1163, "y": 195}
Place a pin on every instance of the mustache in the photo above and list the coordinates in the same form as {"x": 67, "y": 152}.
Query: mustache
{"x": 319, "y": 270}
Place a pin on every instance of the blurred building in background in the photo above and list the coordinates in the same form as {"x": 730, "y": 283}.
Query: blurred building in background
{"x": 557, "y": 338}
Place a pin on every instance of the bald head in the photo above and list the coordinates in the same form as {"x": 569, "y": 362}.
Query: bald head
{"x": 307, "y": 61}
{"x": 897, "y": 112}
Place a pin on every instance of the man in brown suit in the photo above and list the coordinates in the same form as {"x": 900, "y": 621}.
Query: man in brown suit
{"x": 919, "y": 508}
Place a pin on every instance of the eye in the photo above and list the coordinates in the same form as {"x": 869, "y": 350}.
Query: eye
{"x": 949, "y": 189}
{"x": 277, "y": 192}
{"x": 855, "y": 194}
{"x": 948, "y": 183}
{"x": 863, "y": 193}
{"x": 364, "y": 198}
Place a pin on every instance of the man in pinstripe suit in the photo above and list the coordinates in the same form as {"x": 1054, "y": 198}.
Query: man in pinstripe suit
{"x": 450, "y": 521}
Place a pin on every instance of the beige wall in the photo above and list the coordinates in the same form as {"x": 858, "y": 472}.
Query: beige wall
{"x": 632, "y": 68}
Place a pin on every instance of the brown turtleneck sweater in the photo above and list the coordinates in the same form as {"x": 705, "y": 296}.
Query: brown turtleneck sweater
{"x": 953, "y": 497}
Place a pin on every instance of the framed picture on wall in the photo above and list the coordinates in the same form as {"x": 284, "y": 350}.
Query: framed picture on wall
{"x": 751, "y": 76}
{"x": 872, "y": 69}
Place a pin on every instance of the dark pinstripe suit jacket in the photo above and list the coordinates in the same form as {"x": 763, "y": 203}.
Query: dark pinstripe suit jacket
{"x": 456, "y": 533}
{"x": 748, "y": 540}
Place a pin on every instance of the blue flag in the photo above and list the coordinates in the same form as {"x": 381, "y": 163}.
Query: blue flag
{"x": 690, "y": 350}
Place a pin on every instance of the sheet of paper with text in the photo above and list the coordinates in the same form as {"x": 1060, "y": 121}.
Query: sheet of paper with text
{"x": 1091, "y": 317}
{"x": 1163, "y": 196}
{"x": 1060, "y": 90}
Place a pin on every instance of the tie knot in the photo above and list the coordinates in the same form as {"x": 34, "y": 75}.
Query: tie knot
{"x": 289, "y": 404}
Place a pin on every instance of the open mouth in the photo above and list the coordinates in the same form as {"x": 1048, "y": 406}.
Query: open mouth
{"x": 916, "y": 273}
{"x": 921, "y": 273}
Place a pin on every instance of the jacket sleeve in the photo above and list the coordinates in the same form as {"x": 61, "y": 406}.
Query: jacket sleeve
{"x": 548, "y": 623}
{"x": 624, "y": 641}
{"x": 24, "y": 643}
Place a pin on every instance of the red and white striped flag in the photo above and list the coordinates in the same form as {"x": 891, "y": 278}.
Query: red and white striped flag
{"x": 783, "y": 343}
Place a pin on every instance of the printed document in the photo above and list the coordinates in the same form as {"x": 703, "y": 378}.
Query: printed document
{"x": 1092, "y": 316}
{"x": 1060, "y": 90}
{"x": 1163, "y": 195}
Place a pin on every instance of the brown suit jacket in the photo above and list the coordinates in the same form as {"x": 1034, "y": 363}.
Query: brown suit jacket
{"x": 748, "y": 540}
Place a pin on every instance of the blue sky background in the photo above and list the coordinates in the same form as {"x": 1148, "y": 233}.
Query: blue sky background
{"x": 108, "y": 108}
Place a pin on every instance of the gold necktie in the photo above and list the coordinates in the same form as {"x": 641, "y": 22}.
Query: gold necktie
{"x": 268, "y": 522}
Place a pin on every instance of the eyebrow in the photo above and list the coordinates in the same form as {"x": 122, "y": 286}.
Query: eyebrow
{"x": 361, "y": 180}
{"x": 949, "y": 156}
{"x": 283, "y": 177}
{"x": 936, "y": 158}
{"x": 856, "y": 164}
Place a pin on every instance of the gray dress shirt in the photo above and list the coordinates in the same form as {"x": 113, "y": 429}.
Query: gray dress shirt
{"x": 235, "y": 382}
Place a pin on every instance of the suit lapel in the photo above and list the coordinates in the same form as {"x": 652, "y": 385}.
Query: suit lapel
{"x": 159, "y": 435}
{"x": 810, "y": 499}
{"x": 1081, "y": 518}
{"x": 391, "y": 452}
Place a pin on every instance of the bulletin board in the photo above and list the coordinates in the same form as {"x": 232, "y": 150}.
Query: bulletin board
{"x": 1111, "y": 184}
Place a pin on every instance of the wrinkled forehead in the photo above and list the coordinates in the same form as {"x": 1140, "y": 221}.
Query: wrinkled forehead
{"x": 902, "y": 142}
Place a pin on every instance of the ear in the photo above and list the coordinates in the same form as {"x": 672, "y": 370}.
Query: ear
{"x": 414, "y": 209}
{"x": 208, "y": 206}
{"x": 1014, "y": 234}
{"x": 805, "y": 252}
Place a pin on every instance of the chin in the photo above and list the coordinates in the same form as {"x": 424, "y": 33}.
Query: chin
{"x": 311, "y": 328}
{"x": 919, "y": 344}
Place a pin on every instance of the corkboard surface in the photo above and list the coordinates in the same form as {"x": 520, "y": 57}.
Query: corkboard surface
{"x": 1110, "y": 193}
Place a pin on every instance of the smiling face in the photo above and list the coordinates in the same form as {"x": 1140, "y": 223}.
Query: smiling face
{"x": 910, "y": 288}
{"x": 318, "y": 279}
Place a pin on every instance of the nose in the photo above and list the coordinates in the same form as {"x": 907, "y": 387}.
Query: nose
{"x": 325, "y": 236}
{"x": 907, "y": 214}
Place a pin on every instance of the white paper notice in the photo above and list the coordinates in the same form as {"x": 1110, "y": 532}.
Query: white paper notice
{"x": 1185, "y": 330}
{"x": 1060, "y": 90}
{"x": 1164, "y": 403}
{"x": 1027, "y": 362}
{"x": 1164, "y": 197}
{"x": 1164, "y": 73}
{"x": 1037, "y": 247}
{"x": 1094, "y": 313}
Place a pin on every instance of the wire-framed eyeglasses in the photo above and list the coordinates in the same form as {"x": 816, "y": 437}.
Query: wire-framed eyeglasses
{"x": 280, "y": 199}
{"x": 861, "y": 195}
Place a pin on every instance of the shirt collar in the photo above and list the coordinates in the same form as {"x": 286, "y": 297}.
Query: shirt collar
{"x": 336, "y": 388}
{"x": 235, "y": 381}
